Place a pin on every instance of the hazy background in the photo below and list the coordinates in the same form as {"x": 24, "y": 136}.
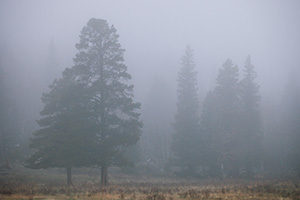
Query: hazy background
{"x": 154, "y": 34}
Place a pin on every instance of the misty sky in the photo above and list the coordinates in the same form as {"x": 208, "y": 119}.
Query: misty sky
{"x": 155, "y": 33}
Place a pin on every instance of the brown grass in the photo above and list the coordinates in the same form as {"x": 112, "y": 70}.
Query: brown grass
{"x": 50, "y": 184}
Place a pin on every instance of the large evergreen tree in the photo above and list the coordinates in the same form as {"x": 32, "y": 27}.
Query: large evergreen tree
{"x": 251, "y": 130}
{"x": 91, "y": 107}
{"x": 101, "y": 68}
{"x": 186, "y": 141}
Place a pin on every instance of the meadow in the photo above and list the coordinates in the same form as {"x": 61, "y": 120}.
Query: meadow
{"x": 51, "y": 184}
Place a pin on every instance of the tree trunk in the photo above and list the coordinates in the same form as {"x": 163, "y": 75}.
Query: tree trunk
{"x": 69, "y": 176}
{"x": 104, "y": 181}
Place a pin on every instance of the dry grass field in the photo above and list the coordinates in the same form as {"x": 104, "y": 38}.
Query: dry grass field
{"x": 50, "y": 184}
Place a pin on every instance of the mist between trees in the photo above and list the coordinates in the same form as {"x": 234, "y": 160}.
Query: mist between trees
{"x": 90, "y": 118}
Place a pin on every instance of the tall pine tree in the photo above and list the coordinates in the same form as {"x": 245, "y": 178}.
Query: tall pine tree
{"x": 251, "y": 125}
{"x": 186, "y": 140}
{"x": 101, "y": 68}
{"x": 227, "y": 119}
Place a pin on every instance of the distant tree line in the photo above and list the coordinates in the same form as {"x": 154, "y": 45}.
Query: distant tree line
{"x": 226, "y": 135}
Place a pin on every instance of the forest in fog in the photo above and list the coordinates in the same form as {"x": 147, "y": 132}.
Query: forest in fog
{"x": 192, "y": 89}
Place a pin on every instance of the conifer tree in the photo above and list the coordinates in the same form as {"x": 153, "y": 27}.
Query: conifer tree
{"x": 65, "y": 138}
{"x": 251, "y": 130}
{"x": 186, "y": 141}
{"x": 101, "y": 68}
{"x": 89, "y": 117}
{"x": 227, "y": 122}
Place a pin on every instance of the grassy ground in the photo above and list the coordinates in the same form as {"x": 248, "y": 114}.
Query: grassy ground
{"x": 50, "y": 184}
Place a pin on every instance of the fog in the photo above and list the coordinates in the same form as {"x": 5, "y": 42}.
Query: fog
{"x": 154, "y": 34}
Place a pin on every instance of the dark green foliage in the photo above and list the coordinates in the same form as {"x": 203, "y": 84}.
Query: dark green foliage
{"x": 64, "y": 135}
{"x": 100, "y": 67}
{"x": 186, "y": 141}
{"x": 89, "y": 117}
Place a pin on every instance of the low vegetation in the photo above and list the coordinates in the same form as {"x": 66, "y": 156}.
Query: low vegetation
{"x": 50, "y": 184}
